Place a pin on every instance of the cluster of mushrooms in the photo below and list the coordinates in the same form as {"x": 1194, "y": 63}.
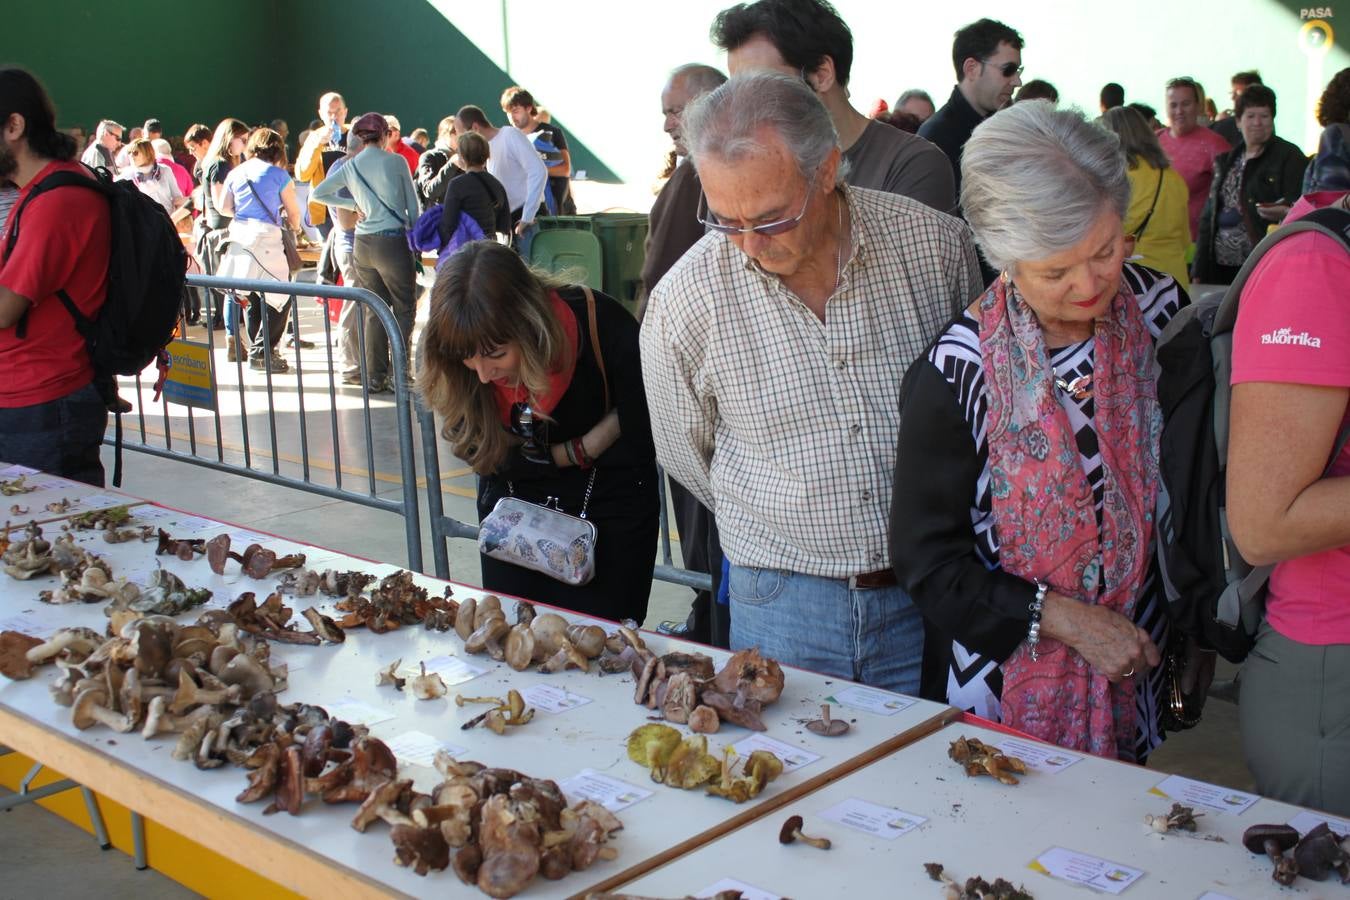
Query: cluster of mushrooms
{"x": 1316, "y": 855}
{"x": 113, "y": 522}
{"x": 975, "y": 888}
{"x": 684, "y": 762}
{"x": 33, "y": 556}
{"x": 685, "y": 689}
{"x": 979, "y": 758}
{"x": 506, "y": 828}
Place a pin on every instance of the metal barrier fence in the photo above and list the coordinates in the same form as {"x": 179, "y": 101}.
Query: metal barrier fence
{"x": 443, "y": 527}
{"x": 168, "y": 446}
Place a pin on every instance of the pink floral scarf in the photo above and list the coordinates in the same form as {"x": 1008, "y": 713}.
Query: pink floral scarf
{"x": 1044, "y": 510}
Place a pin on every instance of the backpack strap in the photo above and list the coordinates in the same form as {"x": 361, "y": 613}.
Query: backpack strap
{"x": 256, "y": 196}
{"x": 1139, "y": 232}
{"x": 595, "y": 341}
{"x": 51, "y": 182}
{"x": 378, "y": 199}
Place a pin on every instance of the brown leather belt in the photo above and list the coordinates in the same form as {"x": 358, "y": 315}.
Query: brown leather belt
{"x": 881, "y": 578}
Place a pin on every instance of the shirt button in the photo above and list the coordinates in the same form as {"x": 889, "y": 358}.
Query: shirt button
{"x": 867, "y": 495}
{"x": 876, "y": 557}
{"x": 841, "y": 364}
{"x": 855, "y": 429}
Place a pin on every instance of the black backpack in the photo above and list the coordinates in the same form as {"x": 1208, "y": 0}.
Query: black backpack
{"x": 1213, "y": 594}
{"x": 147, "y": 268}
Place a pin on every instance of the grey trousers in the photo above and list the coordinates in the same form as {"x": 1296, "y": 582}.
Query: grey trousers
{"x": 384, "y": 266}
{"x": 1294, "y": 713}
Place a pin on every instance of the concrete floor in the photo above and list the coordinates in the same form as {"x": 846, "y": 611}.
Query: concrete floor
{"x": 42, "y": 855}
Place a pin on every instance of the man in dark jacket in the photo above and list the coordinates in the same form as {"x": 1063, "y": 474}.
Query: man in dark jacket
{"x": 987, "y": 56}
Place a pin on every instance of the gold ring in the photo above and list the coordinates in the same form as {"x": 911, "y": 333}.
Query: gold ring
{"x": 1127, "y": 674}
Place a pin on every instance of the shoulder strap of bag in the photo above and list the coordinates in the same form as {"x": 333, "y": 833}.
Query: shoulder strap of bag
{"x": 256, "y": 196}
{"x": 1139, "y": 232}
{"x": 351, "y": 164}
{"x": 595, "y": 342}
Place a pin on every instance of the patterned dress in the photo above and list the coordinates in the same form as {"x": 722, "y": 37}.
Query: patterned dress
{"x": 974, "y": 680}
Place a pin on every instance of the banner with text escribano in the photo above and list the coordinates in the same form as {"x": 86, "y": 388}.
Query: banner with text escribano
{"x": 190, "y": 381}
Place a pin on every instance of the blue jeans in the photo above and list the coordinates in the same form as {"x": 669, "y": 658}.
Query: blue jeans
{"x": 871, "y": 636}
{"x": 60, "y": 437}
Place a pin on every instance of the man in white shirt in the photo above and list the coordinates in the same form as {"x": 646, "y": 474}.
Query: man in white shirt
{"x": 107, "y": 141}
{"x": 514, "y": 162}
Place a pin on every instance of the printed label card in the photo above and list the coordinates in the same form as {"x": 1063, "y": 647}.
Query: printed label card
{"x": 419, "y": 748}
{"x": 885, "y": 822}
{"x": 793, "y": 757}
{"x": 1039, "y": 757}
{"x": 356, "y": 712}
{"x": 1306, "y": 821}
{"x": 611, "y": 793}
{"x": 1080, "y": 868}
{"x": 1199, "y": 793}
{"x": 882, "y": 703}
{"x": 452, "y": 669}
{"x": 552, "y": 699}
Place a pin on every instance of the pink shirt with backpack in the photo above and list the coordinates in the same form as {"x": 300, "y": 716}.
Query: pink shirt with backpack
{"x": 1294, "y": 328}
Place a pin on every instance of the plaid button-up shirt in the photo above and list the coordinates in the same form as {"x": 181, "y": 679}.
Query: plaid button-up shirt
{"x": 784, "y": 425}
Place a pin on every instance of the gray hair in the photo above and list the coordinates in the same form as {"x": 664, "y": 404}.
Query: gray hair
{"x": 106, "y": 125}
{"x": 698, "y": 78}
{"x": 1035, "y": 178}
{"x": 914, "y": 94}
{"x": 725, "y": 123}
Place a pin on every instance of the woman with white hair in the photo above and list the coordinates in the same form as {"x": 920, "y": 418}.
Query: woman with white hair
{"x": 1034, "y": 419}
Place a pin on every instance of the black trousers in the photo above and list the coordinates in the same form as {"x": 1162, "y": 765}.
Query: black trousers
{"x": 275, "y": 319}
{"x": 702, "y": 550}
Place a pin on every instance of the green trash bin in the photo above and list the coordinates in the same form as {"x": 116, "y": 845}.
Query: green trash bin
{"x": 559, "y": 249}
{"x": 623, "y": 242}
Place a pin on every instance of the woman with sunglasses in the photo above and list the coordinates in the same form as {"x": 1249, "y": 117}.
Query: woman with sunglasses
{"x": 508, "y": 361}
{"x": 1034, "y": 419}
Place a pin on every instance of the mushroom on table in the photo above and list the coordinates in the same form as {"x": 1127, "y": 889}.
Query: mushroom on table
{"x": 792, "y": 831}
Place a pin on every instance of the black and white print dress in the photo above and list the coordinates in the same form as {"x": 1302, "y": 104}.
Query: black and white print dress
{"x": 974, "y": 680}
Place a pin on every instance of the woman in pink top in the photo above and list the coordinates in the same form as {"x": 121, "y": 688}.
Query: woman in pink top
{"x": 1291, "y": 384}
{"x": 1190, "y": 146}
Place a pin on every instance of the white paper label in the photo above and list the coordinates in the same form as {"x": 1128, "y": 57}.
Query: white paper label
{"x": 15, "y": 471}
{"x": 1081, "y": 868}
{"x": 356, "y": 712}
{"x": 748, "y": 891}
{"x": 882, "y": 703}
{"x": 148, "y": 512}
{"x": 1214, "y": 895}
{"x": 1306, "y": 821}
{"x": 552, "y": 699}
{"x": 101, "y": 501}
{"x": 452, "y": 669}
{"x": 1210, "y": 796}
{"x": 885, "y": 822}
{"x": 419, "y": 748}
{"x": 611, "y": 793}
{"x": 793, "y": 757}
{"x": 1040, "y": 757}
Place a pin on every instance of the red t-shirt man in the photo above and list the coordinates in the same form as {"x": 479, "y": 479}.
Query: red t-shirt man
{"x": 408, "y": 154}
{"x": 1193, "y": 157}
{"x": 64, "y": 240}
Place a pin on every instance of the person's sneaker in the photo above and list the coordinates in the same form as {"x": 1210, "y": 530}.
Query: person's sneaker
{"x": 381, "y": 386}
{"x": 674, "y": 629}
{"x": 278, "y": 363}
{"x": 300, "y": 343}
{"x": 351, "y": 378}
{"x": 231, "y": 349}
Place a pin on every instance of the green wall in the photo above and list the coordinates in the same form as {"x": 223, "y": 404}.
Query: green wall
{"x": 256, "y": 60}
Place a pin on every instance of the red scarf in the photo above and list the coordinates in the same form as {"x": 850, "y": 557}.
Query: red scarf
{"x": 1043, "y": 507}
{"x": 558, "y": 380}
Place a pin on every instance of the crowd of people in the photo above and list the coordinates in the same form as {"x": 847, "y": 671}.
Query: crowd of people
{"x": 898, "y": 367}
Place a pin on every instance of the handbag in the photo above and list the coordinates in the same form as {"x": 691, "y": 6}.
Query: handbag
{"x": 541, "y": 536}
{"x": 288, "y": 244}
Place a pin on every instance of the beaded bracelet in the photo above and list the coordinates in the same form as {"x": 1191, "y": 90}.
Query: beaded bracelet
{"x": 1036, "y": 606}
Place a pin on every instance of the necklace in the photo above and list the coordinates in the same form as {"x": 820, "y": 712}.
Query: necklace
{"x": 839, "y": 250}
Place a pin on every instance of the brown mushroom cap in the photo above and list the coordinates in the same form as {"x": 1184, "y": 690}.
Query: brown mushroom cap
{"x": 217, "y": 552}
{"x": 422, "y": 848}
{"x": 787, "y": 834}
{"x": 704, "y": 720}
{"x": 1256, "y": 837}
{"x": 520, "y": 647}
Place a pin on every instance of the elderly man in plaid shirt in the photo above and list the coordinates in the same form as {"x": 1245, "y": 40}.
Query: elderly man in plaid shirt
{"x": 772, "y": 354}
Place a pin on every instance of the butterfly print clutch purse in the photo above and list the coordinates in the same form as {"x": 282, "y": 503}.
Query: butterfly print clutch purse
{"x": 541, "y": 537}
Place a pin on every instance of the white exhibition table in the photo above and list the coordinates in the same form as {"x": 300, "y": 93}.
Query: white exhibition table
{"x": 74, "y": 496}
{"x": 317, "y": 852}
{"x": 978, "y": 826}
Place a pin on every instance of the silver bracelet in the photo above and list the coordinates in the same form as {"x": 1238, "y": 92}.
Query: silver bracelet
{"x": 1036, "y": 606}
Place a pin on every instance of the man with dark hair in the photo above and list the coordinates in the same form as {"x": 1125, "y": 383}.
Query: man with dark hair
{"x": 549, "y": 141}
{"x": 1226, "y": 125}
{"x": 1038, "y": 89}
{"x": 987, "y": 56}
{"x": 808, "y": 39}
{"x": 513, "y": 162}
{"x": 52, "y": 416}
{"x": 152, "y": 130}
{"x": 1112, "y": 95}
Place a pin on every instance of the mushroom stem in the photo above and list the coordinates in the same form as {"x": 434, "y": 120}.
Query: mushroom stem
{"x": 1286, "y": 869}
{"x": 818, "y": 843}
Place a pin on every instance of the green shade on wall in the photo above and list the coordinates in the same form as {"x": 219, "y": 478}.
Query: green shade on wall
{"x": 256, "y": 60}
